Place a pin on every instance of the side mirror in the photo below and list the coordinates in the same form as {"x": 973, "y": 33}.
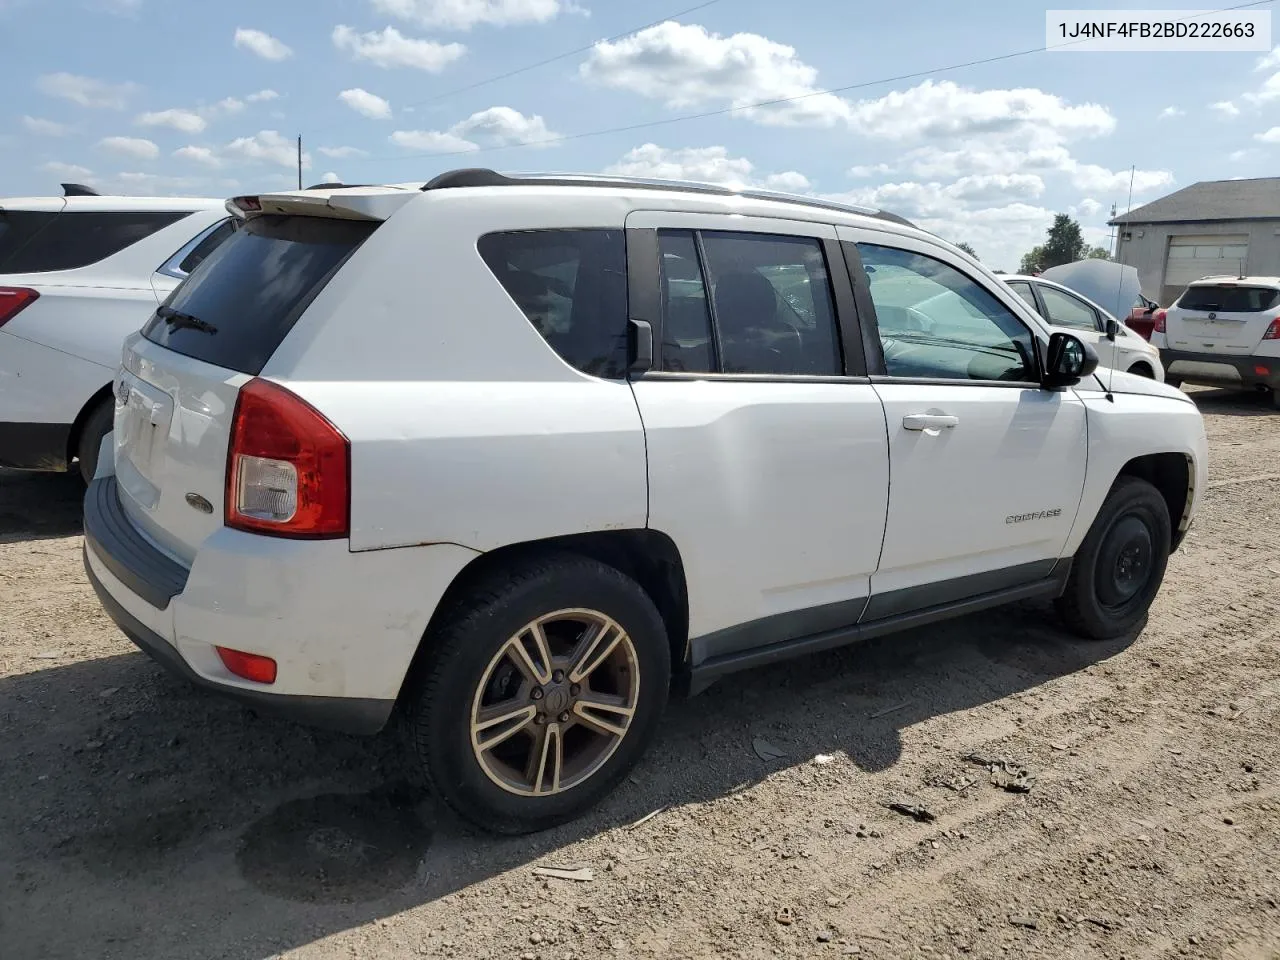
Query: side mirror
{"x": 1068, "y": 361}
{"x": 1113, "y": 328}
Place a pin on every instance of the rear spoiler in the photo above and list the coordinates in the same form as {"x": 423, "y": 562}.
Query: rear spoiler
{"x": 339, "y": 203}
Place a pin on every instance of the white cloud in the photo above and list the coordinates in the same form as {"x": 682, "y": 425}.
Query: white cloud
{"x": 1269, "y": 136}
{"x": 226, "y": 105}
{"x": 86, "y": 91}
{"x": 269, "y": 147}
{"x": 184, "y": 121}
{"x": 1226, "y": 108}
{"x": 465, "y": 14}
{"x": 1096, "y": 179}
{"x": 934, "y": 109}
{"x": 134, "y": 147}
{"x": 262, "y": 96}
{"x": 1270, "y": 90}
{"x": 1169, "y": 112}
{"x": 503, "y": 126}
{"x": 366, "y": 103}
{"x": 331, "y": 177}
{"x": 1088, "y": 207}
{"x": 432, "y": 141}
{"x": 1235, "y": 156}
{"x": 704, "y": 164}
{"x": 495, "y": 127}
{"x": 201, "y": 155}
{"x": 45, "y": 128}
{"x": 261, "y": 44}
{"x": 69, "y": 170}
{"x": 864, "y": 170}
{"x": 1269, "y": 61}
{"x": 343, "y": 153}
{"x": 685, "y": 65}
{"x": 391, "y": 48}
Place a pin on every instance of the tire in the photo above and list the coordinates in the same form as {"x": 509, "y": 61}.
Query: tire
{"x": 1142, "y": 370}
{"x": 473, "y": 658}
{"x": 1275, "y": 398}
{"x": 96, "y": 426}
{"x": 1132, "y": 529}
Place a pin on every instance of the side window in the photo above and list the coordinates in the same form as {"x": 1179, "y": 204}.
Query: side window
{"x": 572, "y": 286}
{"x": 1065, "y": 310}
{"x": 75, "y": 240}
{"x": 1023, "y": 289}
{"x": 935, "y": 322}
{"x": 210, "y": 243}
{"x": 687, "y": 345}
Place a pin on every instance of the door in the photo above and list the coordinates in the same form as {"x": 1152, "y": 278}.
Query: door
{"x": 766, "y": 442}
{"x": 986, "y": 467}
{"x": 1069, "y": 312}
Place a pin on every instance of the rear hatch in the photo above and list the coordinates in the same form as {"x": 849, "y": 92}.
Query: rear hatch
{"x": 176, "y": 392}
{"x": 1223, "y": 317}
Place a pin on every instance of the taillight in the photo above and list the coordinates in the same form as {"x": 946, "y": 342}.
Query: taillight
{"x": 13, "y": 300}
{"x": 1159, "y": 325}
{"x": 287, "y": 467}
{"x": 1273, "y": 331}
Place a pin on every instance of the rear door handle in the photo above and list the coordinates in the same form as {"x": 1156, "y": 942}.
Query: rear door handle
{"x": 928, "y": 421}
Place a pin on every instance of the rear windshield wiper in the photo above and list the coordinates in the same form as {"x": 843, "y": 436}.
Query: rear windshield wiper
{"x": 179, "y": 320}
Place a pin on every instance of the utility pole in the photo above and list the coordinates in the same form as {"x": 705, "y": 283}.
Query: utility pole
{"x": 1115, "y": 235}
{"x": 299, "y": 161}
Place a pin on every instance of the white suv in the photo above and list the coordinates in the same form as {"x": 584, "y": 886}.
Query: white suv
{"x": 1118, "y": 347}
{"x": 1223, "y": 332}
{"x": 78, "y": 274}
{"x": 515, "y": 457}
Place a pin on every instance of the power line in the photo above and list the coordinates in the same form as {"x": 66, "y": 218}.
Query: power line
{"x": 724, "y": 111}
{"x": 549, "y": 60}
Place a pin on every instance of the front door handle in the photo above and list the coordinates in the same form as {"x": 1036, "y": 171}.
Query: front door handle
{"x": 928, "y": 421}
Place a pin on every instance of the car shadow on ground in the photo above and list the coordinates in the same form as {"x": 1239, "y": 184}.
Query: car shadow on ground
{"x": 1233, "y": 403}
{"x": 177, "y": 824}
{"x": 39, "y": 506}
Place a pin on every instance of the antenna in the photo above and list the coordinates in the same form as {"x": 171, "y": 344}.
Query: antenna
{"x": 299, "y": 161}
{"x": 1111, "y": 330}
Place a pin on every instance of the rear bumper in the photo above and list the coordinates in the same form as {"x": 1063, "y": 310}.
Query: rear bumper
{"x": 342, "y": 627}
{"x": 1221, "y": 370}
{"x": 34, "y": 446}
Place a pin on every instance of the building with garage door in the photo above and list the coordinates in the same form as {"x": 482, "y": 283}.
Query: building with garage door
{"x": 1210, "y": 228}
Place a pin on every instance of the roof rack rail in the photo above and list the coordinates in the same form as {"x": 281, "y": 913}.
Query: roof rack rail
{"x": 332, "y": 185}
{"x": 78, "y": 190}
{"x": 484, "y": 177}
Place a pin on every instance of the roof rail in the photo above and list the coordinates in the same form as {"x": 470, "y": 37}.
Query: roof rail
{"x": 78, "y": 190}
{"x": 484, "y": 177}
{"x": 332, "y": 185}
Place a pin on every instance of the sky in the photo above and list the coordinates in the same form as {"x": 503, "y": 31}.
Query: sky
{"x": 163, "y": 97}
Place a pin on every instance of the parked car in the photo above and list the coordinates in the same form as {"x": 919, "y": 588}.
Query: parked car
{"x": 1224, "y": 332}
{"x": 78, "y": 274}
{"x": 516, "y": 457}
{"x": 1065, "y": 309}
{"x": 1142, "y": 317}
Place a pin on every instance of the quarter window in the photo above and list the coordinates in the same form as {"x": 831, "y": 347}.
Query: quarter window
{"x": 1023, "y": 289}
{"x": 769, "y": 308}
{"x": 936, "y": 323}
{"x": 572, "y": 286}
{"x": 1065, "y": 310}
{"x": 68, "y": 241}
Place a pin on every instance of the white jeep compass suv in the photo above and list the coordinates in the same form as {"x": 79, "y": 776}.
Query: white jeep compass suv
{"x": 514, "y": 457}
{"x": 1223, "y": 332}
{"x": 78, "y": 274}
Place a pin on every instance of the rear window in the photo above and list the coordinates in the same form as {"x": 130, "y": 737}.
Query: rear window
{"x": 243, "y": 299}
{"x": 38, "y": 242}
{"x": 1229, "y": 299}
{"x": 572, "y": 286}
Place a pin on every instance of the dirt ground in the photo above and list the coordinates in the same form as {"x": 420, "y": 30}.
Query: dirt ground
{"x": 140, "y": 818}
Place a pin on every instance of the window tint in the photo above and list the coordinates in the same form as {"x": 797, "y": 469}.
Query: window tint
{"x": 1228, "y": 299}
{"x": 210, "y": 243}
{"x": 1023, "y": 289}
{"x": 1065, "y": 310}
{"x": 572, "y": 285}
{"x": 687, "y": 346}
{"x": 241, "y": 301}
{"x": 72, "y": 240}
{"x": 937, "y": 323}
{"x": 771, "y": 304}
{"x": 17, "y": 228}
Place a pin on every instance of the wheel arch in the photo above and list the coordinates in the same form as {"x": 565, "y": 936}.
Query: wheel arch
{"x": 1173, "y": 474}
{"x": 77, "y": 425}
{"x": 1142, "y": 369}
{"x": 646, "y": 556}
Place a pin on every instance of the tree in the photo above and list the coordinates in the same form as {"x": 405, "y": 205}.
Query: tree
{"x": 968, "y": 248}
{"x": 1098, "y": 253}
{"x": 1032, "y": 261}
{"x": 1065, "y": 244}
